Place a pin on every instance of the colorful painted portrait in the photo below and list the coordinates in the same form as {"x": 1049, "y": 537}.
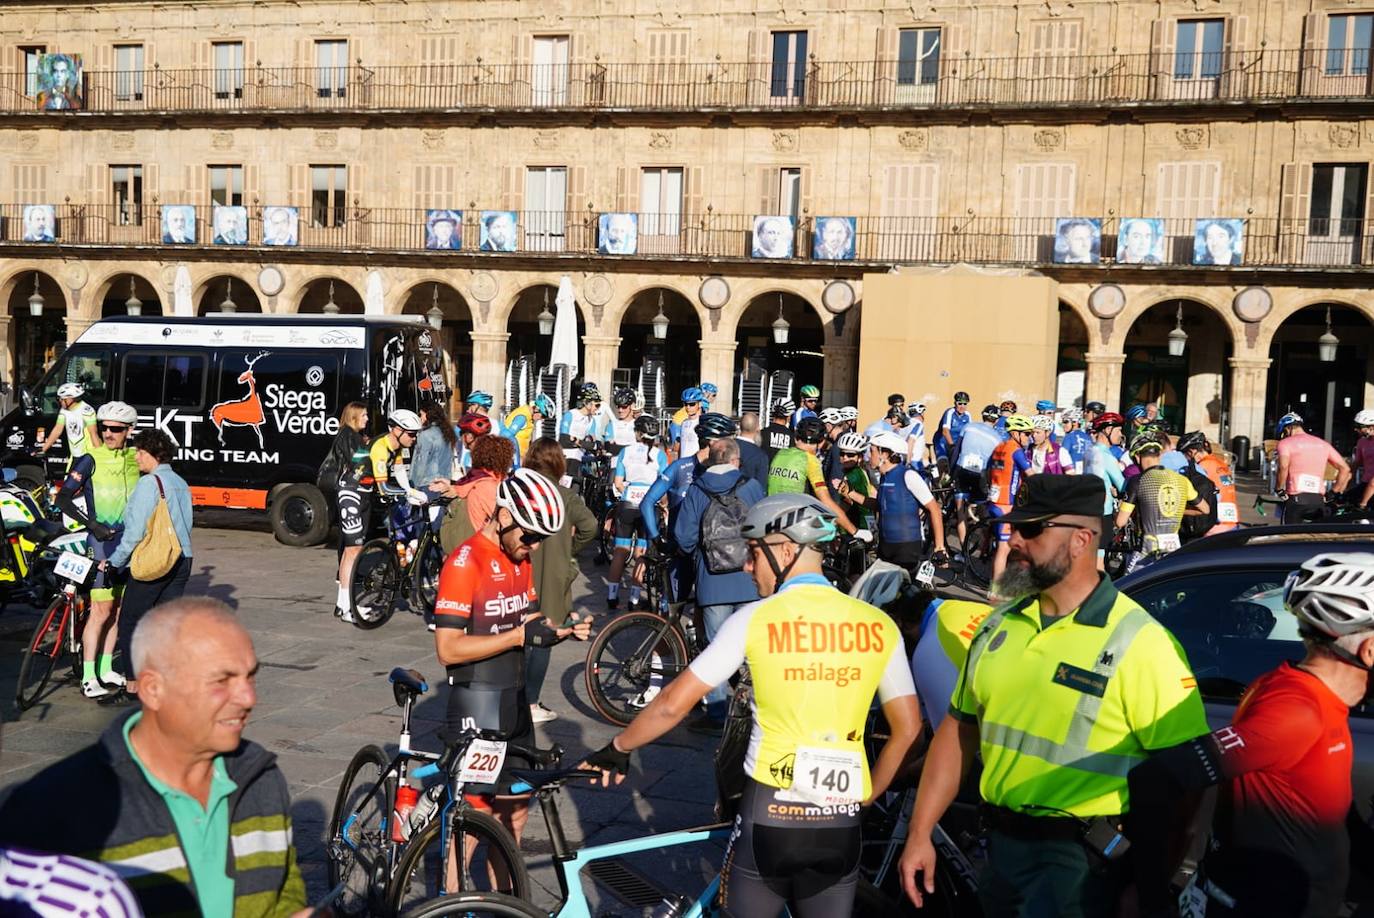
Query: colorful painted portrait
{"x": 1077, "y": 241}
{"x": 1219, "y": 241}
{"x": 617, "y": 234}
{"x": 833, "y": 239}
{"x": 500, "y": 230}
{"x": 1140, "y": 241}
{"x": 443, "y": 229}
{"x": 280, "y": 226}
{"x": 40, "y": 223}
{"x": 59, "y": 83}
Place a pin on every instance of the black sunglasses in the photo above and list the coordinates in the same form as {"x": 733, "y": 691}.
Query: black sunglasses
{"x": 113, "y": 428}
{"x": 528, "y": 539}
{"x": 1033, "y": 530}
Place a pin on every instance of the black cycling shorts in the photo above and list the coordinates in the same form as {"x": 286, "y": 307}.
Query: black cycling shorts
{"x": 355, "y": 514}
{"x": 629, "y": 527}
{"x": 1104, "y": 542}
{"x": 1304, "y": 508}
{"x": 969, "y": 485}
{"x": 794, "y": 854}
{"x": 501, "y": 712}
{"x": 902, "y": 554}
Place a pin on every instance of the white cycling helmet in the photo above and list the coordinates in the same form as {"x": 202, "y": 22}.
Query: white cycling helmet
{"x": 830, "y": 415}
{"x": 71, "y": 390}
{"x": 1042, "y": 422}
{"x": 849, "y": 413}
{"x": 888, "y": 441}
{"x": 405, "y": 419}
{"x": 119, "y": 412}
{"x": 533, "y": 501}
{"x": 1073, "y": 416}
{"x": 1362, "y": 419}
{"x": 783, "y": 407}
{"x": 853, "y": 443}
{"x": 918, "y": 408}
{"x": 1333, "y": 593}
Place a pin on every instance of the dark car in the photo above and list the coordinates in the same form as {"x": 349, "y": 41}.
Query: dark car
{"x": 1222, "y": 597}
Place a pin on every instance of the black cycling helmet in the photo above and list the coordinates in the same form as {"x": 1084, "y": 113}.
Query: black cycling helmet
{"x": 647, "y": 426}
{"x": 623, "y": 397}
{"x": 714, "y": 426}
{"x": 990, "y": 413}
{"x": 810, "y": 430}
{"x": 1193, "y": 440}
{"x": 1095, "y": 408}
{"x": 589, "y": 393}
{"x": 961, "y": 398}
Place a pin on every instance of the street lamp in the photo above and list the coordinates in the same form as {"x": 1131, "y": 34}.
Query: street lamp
{"x": 35, "y": 299}
{"x": 545, "y": 317}
{"x": 330, "y": 307}
{"x": 435, "y": 314}
{"x": 780, "y": 325}
{"x": 133, "y": 305}
{"x": 229, "y": 305}
{"x": 1326, "y": 344}
{"x": 660, "y": 321}
{"x": 1178, "y": 338}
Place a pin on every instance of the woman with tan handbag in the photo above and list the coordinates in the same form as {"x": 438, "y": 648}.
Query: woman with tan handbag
{"x": 156, "y": 544}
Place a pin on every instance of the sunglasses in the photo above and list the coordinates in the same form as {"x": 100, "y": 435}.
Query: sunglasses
{"x": 1034, "y": 530}
{"x": 528, "y": 539}
{"x": 961, "y": 404}
{"x": 111, "y": 428}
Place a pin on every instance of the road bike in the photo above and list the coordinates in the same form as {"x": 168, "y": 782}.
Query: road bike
{"x": 59, "y": 628}
{"x": 594, "y": 484}
{"x": 400, "y": 568}
{"x": 389, "y": 861}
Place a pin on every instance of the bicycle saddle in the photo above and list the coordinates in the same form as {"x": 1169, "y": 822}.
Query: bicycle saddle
{"x": 407, "y": 684}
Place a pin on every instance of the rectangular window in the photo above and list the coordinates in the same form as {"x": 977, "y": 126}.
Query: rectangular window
{"x": 85, "y": 365}
{"x": 1055, "y": 49}
{"x": 228, "y": 57}
{"x": 668, "y": 49}
{"x": 660, "y": 202}
{"x": 788, "y": 77}
{"x": 226, "y": 185}
{"x": 28, "y": 58}
{"x": 126, "y": 186}
{"x": 328, "y": 195}
{"x": 1198, "y": 49}
{"x": 129, "y": 73}
{"x": 546, "y": 200}
{"x": 1336, "y": 220}
{"x": 789, "y": 191}
{"x": 1348, "y": 42}
{"x": 550, "y": 77}
{"x": 331, "y": 68}
{"x": 1187, "y": 192}
{"x": 154, "y": 380}
{"x": 918, "y": 57}
{"x": 911, "y": 202}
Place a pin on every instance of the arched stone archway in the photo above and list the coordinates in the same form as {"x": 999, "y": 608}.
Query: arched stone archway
{"x": 33, "y": 342}
{"x": 524, "y": 339}
{"x": 455, "y": 328}
{"x": 223, "y": 288}
{"x": 758, "y": 352}
{"x": 644, "y": 359}
{"x": 1071, "y": 365}
{"x": 1327, "y": 393}
{"x": 317, "y": 294}
{"x": 1190, "y": 389}
{"x": 122, "y": 291}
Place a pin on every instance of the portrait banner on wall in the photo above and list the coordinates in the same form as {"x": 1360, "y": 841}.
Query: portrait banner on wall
{"x": 59, "y": 83}
{"x": 1077, "y": 241}
{"x": 499, "y": 230}
{"x": 834, "y": 239}
{"x": 280, "y": 226}
{"x": 773, "y": 236}
{"x": 231, "y": 225}
{"x": 178, "y": 224}
{"x": 618, "y": 234}
{"x": 443, "y": 229}
{"x": 1140, "y": 241}
{"x": 40, "y": 223}
{"x": 1219, "y": 241}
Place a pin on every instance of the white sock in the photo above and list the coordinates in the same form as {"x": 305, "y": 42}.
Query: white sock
{"x": 634, "y": 594}
{"x": 613, "y": 591}
{"x": 344, "y": 602}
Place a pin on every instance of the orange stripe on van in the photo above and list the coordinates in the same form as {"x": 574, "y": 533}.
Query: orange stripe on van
{"x": 242, "y": 498}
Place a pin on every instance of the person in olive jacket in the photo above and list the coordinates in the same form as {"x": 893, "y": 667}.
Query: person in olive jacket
{"x": 554, "y": 565}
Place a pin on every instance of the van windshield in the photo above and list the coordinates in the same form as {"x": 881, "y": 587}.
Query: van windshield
{"x": 86, "y": 365}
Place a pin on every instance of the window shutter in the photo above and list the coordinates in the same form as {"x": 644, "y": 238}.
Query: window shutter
{"x": 1163, "y": 33}
{"x": 421, "y": 188}
{"x": 299, "y": 189}
{"x": 623, "y": 200}
{"x": 1295, "y": 202}
{"x": 305, "y": 54}
{"x": 513, "y": 187}
{"x": 694, "y": 203}
{"x": 885, "y": 68}
{"x": 250, "y": 55}
{"x": 577, "y": 193}
{"x": 1313, "y": 38}
{"x": 1237, "y": 34}
{"x": 150, "y": 57}
{"x": 769, "y": 179}
{"x": 759, "y": 52}
{"x": 104, "y": 59}
{"x": 204, "y": 56}
{"x": 806, "y": 191}
{"x": 354, "y": 179}
{"x": 97, "y": 188}
{"x": 252, "y": 190}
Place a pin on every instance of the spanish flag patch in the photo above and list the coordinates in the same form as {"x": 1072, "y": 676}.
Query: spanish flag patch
{"x": 1189, "y": 682}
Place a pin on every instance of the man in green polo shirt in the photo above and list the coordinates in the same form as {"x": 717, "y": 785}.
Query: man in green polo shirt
{"x": 1064, "y": 690}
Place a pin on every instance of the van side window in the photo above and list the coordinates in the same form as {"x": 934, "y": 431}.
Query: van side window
{"x": 184, "y": 381}
{"x": 164, "y": 380}
{"x": 89, "y": 367}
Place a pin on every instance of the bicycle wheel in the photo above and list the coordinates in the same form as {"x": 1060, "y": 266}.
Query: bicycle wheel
{"x": 492, "y": 862}
{"x": 376, "y": 584}
{"x": 621, "y": 662}
{"x": 978, "y": 553}
{"x": 42, "y": 652}
{"x": 426, "y": 567}
{"x": 357, "y": 843}
{"x": 478, "y": 905}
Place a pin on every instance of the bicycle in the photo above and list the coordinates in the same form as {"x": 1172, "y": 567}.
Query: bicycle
{"x": 844, "y": 561}
{"x": 397, "y": 562}
{"x": 980, "y": 545}
{"x": 594, "y": 484}
{"x": 61, "y": 623}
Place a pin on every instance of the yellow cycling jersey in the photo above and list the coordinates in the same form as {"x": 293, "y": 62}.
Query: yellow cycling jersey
{"x": 384, "y": 459}
{"x": 817, "y": 658}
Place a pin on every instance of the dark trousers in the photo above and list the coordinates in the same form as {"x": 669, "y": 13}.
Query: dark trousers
{"x": 1046, "y": 878}
{"x": 141, "y": 596}
{"x": 536, "y": 669}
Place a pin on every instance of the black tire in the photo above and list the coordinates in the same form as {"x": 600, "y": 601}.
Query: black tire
{"x": 361, "y": 859}
{"x": 605, "y": 536}
{"x": 42, "y": 653}
{"x": 478, "y": 905}
{"x": 499, "y": 867}
{"x": 30, "y": 477}
{"x": 619, "y": 662}
{"x": 425, "y": 570}
{"x": 300, "y": 515}
{"x": 979, "y": 550}
{"x": 376, "y": 584}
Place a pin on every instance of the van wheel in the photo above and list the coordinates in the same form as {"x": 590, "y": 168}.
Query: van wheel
{"x": 300, "y": 515}
{"x": 30, "y": 477}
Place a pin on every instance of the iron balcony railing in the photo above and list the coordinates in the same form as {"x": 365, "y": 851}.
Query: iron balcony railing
{"x": 1253, "y": 242}
{"x": 949, "y": 81}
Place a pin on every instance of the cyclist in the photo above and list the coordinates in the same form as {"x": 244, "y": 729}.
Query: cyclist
{"x": 1198, "y": 450}
{"x": 951, "y": 426}
{"x": 902, "y": 496}
{"x": 524, "y": 422}
{"x": 967, "y": 463}
{"x": 1363, "y": 459}
{"x": 390, "y": 476}
{"x": 850, "y": 416}
{"x": 1009, "y": 463}
{"x": 711, "y": 391}
{"x": 896, "y": 401}
{"x": 990, "y": 414}
{"x": 1091, "y": 412}
{"x": 857, "y": 487}
{"x": 1076, "y": 440}
{"x": 1280, "y": 844}
{"x": 578, "y": 425}
{"x": 1102, "y": 461}
{"x": 1160, "y": 498}
{"x": 471, "y": 428}
{"x": 1303, "y": 461}
{"x": 94, "y": 493}
{"x": 478, "y": 402}
{"x": 1004, "y": 411}
{"x": 796, "y": 470}
{"x": 916, "y": 435}
{"x": 621, "y": 432}
{"x": 637, "y": 467}
{"x": 796, "y": 838}
{"x": 1045, "y": 454}
{"x": 682, "y": 435}
{"x": 778, "y": 434}
{"x": 1045, "y": 408}
{"x": 946, "y": 630}
{"x": 810, "y": 398}
{"x": 486, "y": 614}
{"x": 76, "y": 418}
{"x": 1135, "y": 420}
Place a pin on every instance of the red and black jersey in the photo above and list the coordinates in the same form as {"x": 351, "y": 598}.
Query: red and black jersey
{"x": 481, "y": 591}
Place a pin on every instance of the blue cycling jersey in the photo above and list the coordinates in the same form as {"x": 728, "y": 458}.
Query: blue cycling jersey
{"x": 954, "y": 422}
{"x": 799, "y": 414}
{"x": 674, "y": 482}
{"x": 1077, "y": 442}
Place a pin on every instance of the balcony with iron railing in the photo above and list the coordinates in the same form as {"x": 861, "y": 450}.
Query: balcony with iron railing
{"x": 873, "y": 241}
{"x": 951, "y": 83}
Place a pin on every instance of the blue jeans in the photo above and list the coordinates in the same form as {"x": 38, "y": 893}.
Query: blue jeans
{"x": 718, "y": 699}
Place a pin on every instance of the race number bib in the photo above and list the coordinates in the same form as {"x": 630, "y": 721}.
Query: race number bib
{"x": 634, "y": 494}
{"x": 482, "y": 762}
{"x": 1227, "y": 512}
{"x": 994, "y": 494}
{"x": 1309, "y": 484}
{"x": 1165, "y": 542}
{"x": 925, "y": 575}
{"x": 73, "y": 567}
{"x": 1192, "y": 902}
{"x": 825, "y": 777}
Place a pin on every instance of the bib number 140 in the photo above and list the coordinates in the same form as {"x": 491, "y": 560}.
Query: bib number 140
{"x": 825, "y": 777}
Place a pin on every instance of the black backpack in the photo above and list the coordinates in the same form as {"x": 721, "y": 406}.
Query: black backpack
{"x": 722, "y": 524}
{"x": 1194, "y": 527}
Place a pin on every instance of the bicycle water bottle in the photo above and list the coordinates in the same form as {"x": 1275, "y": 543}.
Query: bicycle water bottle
{"x": 427, "y": 806}
{"x": 671, "y": 907}
{"x": 406, "y": 796}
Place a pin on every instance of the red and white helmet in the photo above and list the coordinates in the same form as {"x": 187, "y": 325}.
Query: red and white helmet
{"x": 532, "y": 500}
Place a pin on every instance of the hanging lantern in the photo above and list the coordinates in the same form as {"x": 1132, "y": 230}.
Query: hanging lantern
{"x": 229, "y": 305}
{"x": 780, "y": 325}
{"x": 1326, "y": 344}
{"x": 546, "y": 317}
{"x": 330, "y": 307}
{"x": 133, "y": 305}
{"x": 435, "y": 316}
{"x": 35, "y": 299}
{"x": 660, "y": 321}
{"x": 1178, "y": 338}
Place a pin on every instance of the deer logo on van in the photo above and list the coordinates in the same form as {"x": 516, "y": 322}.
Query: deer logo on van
{"x": 242, "y": 412}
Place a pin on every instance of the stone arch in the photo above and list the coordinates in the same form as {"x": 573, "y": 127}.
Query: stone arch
{"x": 31, "y": 341}
{"x": 455, "y": 330}
{"x": 116, "y": 289}
{"x": 524, "y": 338}
{"x": 621, "y": 303}
{"x": 1139, "y": 302}
{"x": 1327, "y": 393}
{"x": 744, "y": 294}
{"x": 1075, "y": 343}
{"x": 514, "y": 287}
{"x": 1192, "y": 390}
{"x": 311, "y": 295}
{"x": 216, "y": 288}
{"x": 679, "y": 354}
{"x": 1285, "y": 307}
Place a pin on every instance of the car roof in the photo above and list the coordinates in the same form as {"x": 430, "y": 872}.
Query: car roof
{"x": 1256, "y": 546}
{"x": 257, "y": 318}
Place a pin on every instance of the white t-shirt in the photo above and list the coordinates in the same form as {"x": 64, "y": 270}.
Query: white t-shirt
{"x": 76, "y": 419}
{"x": 916, "y": 484}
